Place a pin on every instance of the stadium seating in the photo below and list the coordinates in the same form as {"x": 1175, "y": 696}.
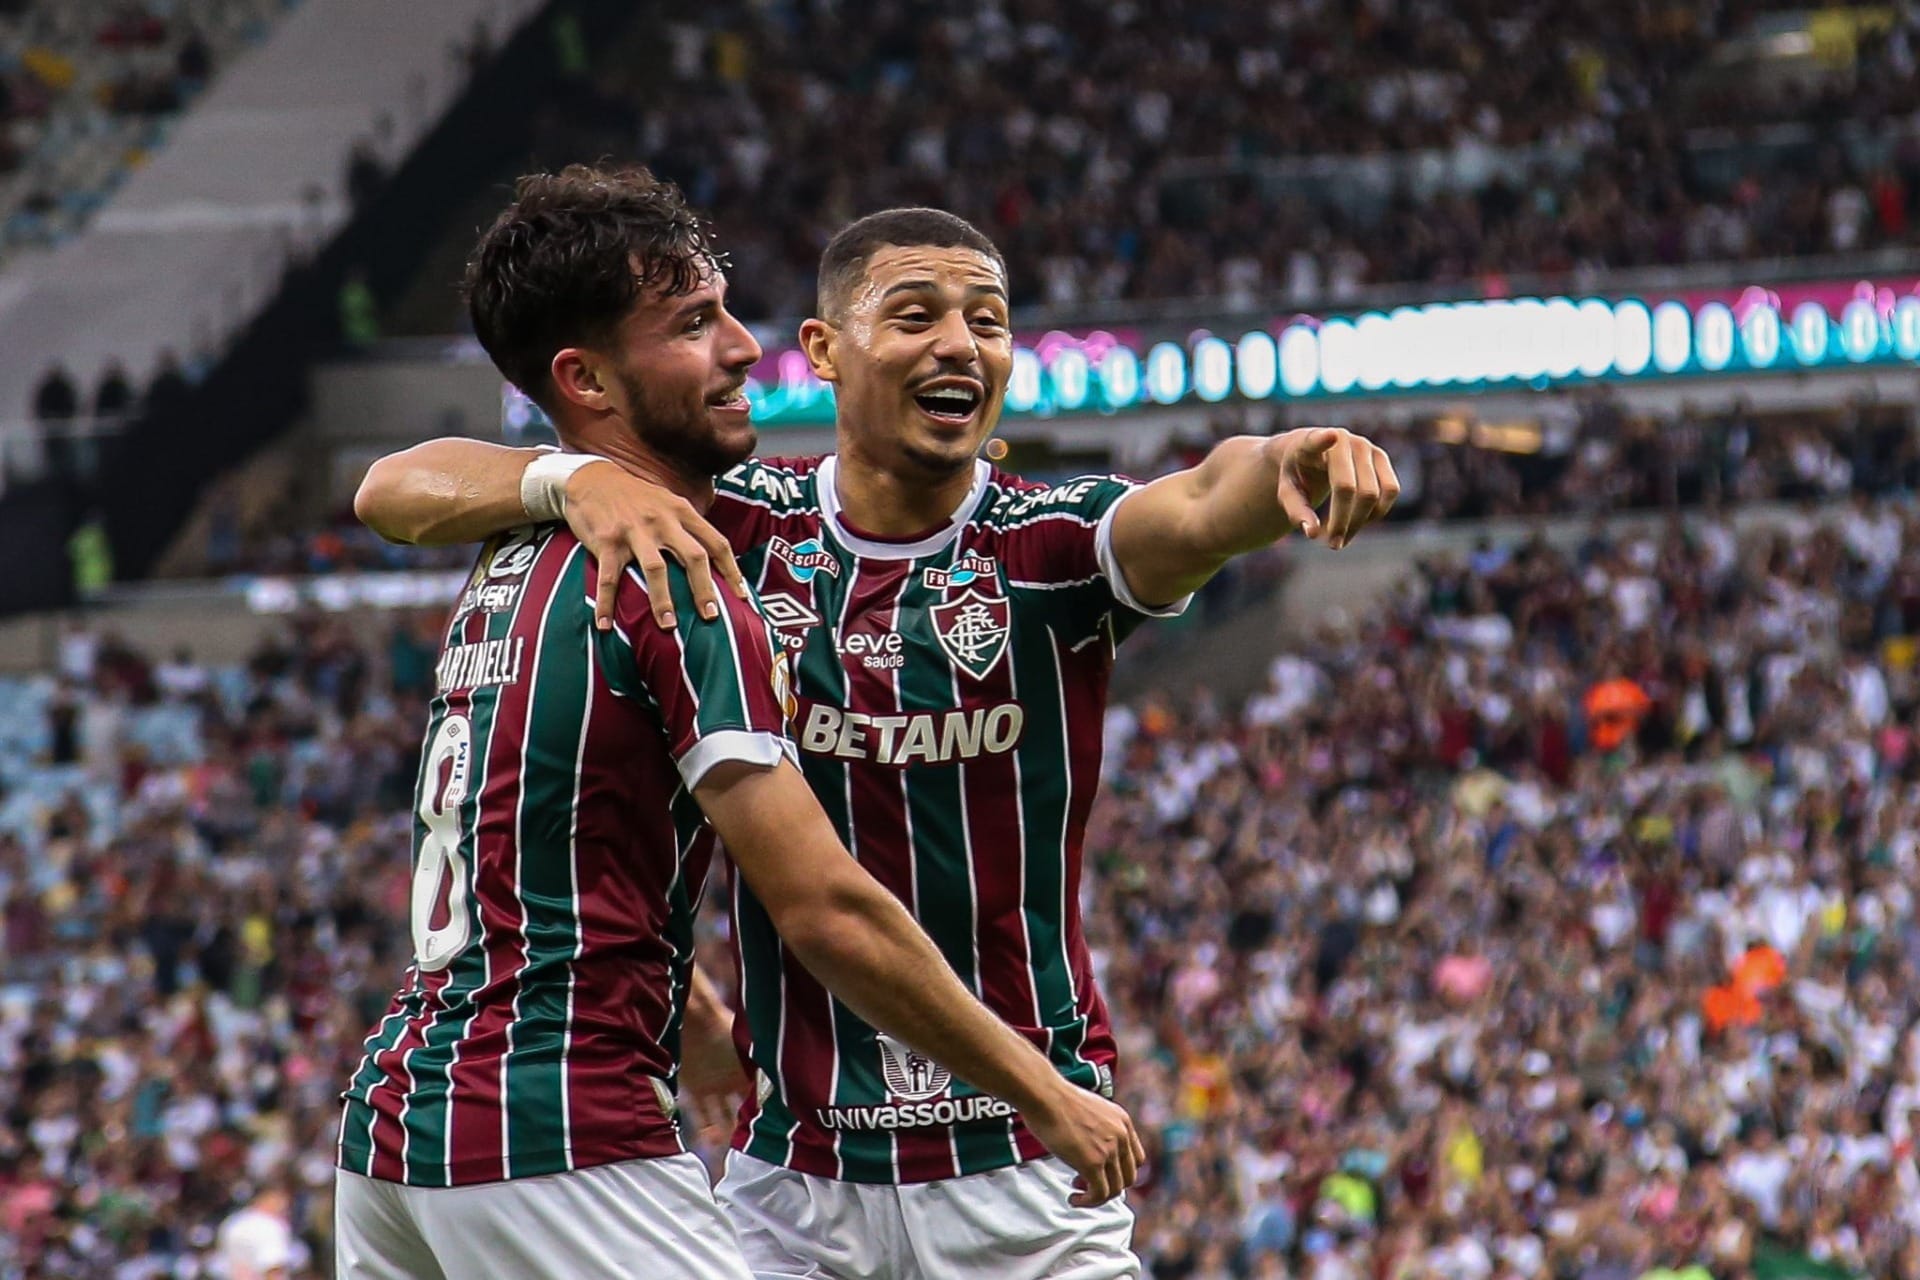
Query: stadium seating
{"x": 1261, "y": 156}
{"x": 92, "y": 85}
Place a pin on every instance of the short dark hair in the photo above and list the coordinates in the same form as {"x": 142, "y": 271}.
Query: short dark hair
{"x": 565, "y": 262}
{"x": 844, "y": 264}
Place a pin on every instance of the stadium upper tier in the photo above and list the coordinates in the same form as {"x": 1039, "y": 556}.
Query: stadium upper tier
{"x": 1251, "y": 152}
{"x": 87, "y": 88}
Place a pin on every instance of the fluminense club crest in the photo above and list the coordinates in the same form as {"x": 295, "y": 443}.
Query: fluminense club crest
{"x": 911, "y": 1076}
{"x": 973, "y": 630}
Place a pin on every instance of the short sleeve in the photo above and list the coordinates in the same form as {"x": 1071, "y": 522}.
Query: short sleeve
{"x": 721, "y": 687}
{"x": 1060, "y": 541}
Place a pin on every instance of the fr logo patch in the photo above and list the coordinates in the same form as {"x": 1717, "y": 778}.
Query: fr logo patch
{"x": 804, "y": 559}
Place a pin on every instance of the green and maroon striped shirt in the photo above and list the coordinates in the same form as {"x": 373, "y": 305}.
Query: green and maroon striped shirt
{"x": 952, "y": 692}
{"x": 559, "y": 859}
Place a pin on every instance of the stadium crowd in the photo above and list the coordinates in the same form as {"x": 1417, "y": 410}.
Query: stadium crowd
{"x": 1151, "y": 150}
{"x": 1580, "y": 451}
{"x": 1553, "y": 922}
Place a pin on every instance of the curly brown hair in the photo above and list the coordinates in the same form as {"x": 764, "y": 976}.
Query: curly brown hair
{"x": 565, "y": 263}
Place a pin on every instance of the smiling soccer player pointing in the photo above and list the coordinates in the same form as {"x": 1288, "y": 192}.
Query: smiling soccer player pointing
{"x": 513, "y": 1114}
{"x": 952, "y": 630}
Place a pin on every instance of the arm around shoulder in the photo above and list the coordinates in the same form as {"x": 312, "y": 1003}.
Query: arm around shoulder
{"x": 444, "y": 492}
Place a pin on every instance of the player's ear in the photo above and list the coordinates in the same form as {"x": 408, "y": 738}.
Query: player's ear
{"x": 817, "y": 339}
{"x": 577, "y": 377}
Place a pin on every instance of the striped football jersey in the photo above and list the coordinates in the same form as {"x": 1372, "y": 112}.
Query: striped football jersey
{"x": 558, "y": 862}
{"x": 951, "y": 695}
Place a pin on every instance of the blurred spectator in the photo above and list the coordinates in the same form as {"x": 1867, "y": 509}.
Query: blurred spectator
{"x": 1614, "y": 710}
{"x": 55, "y": 399}
{"x": 365, "y": 174}
{"x": 113, "y": 396}
{"x": 359, "y": 311}
{"x": 194, "y": 62}
{"x": 56, "y": 404}
{"x": 168, "y": 391}
{"x": 257, "y": 1242}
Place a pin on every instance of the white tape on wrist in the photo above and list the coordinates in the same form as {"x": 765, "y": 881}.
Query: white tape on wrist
{"x": 543, "y": 485}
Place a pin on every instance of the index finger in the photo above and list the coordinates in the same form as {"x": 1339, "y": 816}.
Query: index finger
{"x": 1297, "y": 505}
{"x": 1320, "y": 439}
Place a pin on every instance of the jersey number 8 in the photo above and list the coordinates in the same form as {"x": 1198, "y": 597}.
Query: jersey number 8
{"x": 443, "y": 785}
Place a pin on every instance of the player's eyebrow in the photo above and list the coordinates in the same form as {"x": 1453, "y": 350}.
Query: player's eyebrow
{"x": 909, "y": 286}
{"x": 930, "y": 286}
{"x": 697, "y": 303}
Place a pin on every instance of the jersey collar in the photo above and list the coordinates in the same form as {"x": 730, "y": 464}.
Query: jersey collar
{"x": 867, "y": 548}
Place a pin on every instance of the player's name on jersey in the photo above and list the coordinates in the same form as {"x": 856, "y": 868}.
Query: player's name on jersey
{"x": 471, "y": 666}
{"x": 1013, "y": 505}
{"x": 775, "y": 485}
{"x": 920, "y": 737}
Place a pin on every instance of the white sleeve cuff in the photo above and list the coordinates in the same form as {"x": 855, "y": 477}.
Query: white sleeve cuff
{"x": 1117, "y": 580}
{"x": 748, "y": 746}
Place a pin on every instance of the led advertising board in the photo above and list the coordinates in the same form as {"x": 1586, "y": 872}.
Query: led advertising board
{"x": 1464, "y": 346}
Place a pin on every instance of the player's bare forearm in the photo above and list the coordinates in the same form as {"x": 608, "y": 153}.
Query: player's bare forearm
{"x": 861, "y": 943}
{"x": 706, "y": 1011}
{"x": 452, "y": 491}
{"x": 708, "y": 1061}
{"x": 1176, "y": 533}
{"x": 444, "y": 492}
{"x": 857, "y": 938}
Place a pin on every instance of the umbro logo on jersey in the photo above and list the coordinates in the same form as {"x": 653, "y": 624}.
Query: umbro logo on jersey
{"x": 965, "y": 571}
{"x": 783, "y": 610}
{"x": 973, "y": 630}
{"x": 806, "y": 558}
{"x": 789, "y": 618}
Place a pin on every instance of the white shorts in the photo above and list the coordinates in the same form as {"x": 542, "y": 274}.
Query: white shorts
{"x": 1009, "y": 1224}
{"x": 653, "y": 1218}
